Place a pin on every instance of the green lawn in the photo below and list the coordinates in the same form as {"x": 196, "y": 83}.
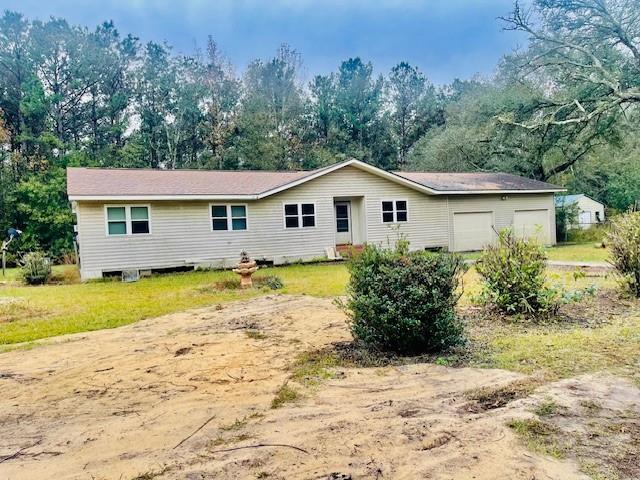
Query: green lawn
{"x": 585, "y": 252}
{"x": 31, "y": 313}
{"x": 582, "y": 252}
{"x": 554, "y": 349}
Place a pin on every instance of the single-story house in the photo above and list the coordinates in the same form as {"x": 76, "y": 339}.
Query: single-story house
{"x": 590, "y": 211}
{"x": 141, "y": 219}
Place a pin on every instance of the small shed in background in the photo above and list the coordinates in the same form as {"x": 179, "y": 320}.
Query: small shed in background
{"x": 590, "y": 211}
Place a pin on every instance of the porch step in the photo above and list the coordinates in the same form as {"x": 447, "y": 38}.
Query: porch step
{"x": 346, "y": 249}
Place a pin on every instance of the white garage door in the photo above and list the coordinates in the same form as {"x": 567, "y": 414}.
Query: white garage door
{"x": 472, "y": 231}
{"x": 533, "y": 223}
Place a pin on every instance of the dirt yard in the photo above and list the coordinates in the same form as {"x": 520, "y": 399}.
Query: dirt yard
{"x": 189, "y": 395}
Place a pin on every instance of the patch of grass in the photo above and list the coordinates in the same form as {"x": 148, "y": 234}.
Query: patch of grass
{"x": 13, "y": 309}
{"x": 255, "y": 334}
{"x": 606, "y": 446}
{"x": 579, "y": 252}
{"x": 591, "y": 406}
{"x": 64, "y": 309}
{"x": 240, "y": 423}
{"x": 488, "y": 398}
{"x": 59, "y": 274}
{"x": 539, "y": 436}
{"x": 582, "y": 252}
{"x": 568, "y": 352}
{"x": 598, "y": 333}
{"x": 220, "y": 440}
{"x": 547, "y": 408}
{"x": 151, "y": 474}
{"x": 310, "y": 368}
{"x": 284, "y": 394}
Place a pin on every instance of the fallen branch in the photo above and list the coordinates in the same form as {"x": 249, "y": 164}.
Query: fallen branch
{"x": 19, "y": 452}
{"x": 261, "y": 445}
{"x": 196, "y": 431}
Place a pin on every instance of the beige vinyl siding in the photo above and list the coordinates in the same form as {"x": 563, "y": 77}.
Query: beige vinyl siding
{"x": 182, "y": 234}
{"x": 503, "y": 210}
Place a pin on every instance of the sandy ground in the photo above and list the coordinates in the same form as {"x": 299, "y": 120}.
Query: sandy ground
{"x": 169, "y": 398}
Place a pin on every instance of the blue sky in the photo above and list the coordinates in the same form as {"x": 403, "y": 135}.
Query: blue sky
{"x": 445, "y": 38}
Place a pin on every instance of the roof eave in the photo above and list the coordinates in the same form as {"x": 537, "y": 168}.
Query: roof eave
{"x": 500, "y": 192}
{"x": 107, "y": 198}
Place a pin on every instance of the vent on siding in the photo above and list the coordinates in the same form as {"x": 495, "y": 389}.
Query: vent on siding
{"x": 130, "y": 276}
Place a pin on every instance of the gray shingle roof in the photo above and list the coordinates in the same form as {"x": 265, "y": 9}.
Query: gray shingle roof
{"x": 470, "y": 182}
{"x": 101, "y": 182}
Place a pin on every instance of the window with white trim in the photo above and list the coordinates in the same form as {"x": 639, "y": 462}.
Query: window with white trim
{"x": 299, "y": 215}
{"x": 228, "y": 217}
{"x": 394, "y": 211}
{"x": 128, "y": 220}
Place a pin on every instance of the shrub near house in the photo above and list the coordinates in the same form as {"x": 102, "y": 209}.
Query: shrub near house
{"x": 513, "y": 274}
{"x": 404, "y": 301}
{"x": 624, "y": 242}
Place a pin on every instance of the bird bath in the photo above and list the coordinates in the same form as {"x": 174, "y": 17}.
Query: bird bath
{"x": 245, "y": 268}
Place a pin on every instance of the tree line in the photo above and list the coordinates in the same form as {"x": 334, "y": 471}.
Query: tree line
{"x": 562, "y": 109}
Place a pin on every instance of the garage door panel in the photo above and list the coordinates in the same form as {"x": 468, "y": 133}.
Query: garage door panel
{"x": 472, "y": 230}
{"x": 533, "y": 224}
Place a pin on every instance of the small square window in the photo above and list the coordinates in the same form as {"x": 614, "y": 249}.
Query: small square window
{"x": 228, "y": 217}
{"x": 308, "y": 209}
{"x": 117, "y": 228}
{"x": 291, "y": 209}
{"x": 219, "y": 211}
{"x": 139, "y": 226}
{"x": 238, "y": 211}
{"x": 291, "y": 222}
{"x": 238, "y": 223}
{"x": 116, "y": 214}
{"x": 139, "y": 213}
{"x": 394, "y": 211}
{"x": 128, "y": 219}
{"x": 219, "y": 224}
{"x": 309, "y": 221}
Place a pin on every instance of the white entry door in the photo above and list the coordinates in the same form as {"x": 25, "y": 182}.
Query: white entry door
{"x": 343, "y": 223}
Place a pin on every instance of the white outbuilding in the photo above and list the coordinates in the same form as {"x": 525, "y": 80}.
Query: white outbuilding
{"x": 590, "y": 211}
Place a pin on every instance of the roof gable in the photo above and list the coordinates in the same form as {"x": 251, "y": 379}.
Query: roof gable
{"x": 563, "y": 200}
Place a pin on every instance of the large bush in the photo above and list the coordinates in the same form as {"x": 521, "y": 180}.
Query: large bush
{"x": 624, "y": 242}
{"x": 513, "y": 274}
{"x": 35, "y": 268}
{"x": 404, "y": 302}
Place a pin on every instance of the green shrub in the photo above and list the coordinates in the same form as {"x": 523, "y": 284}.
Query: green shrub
{"x": 513, "y": 274}
{"x": 273, "y": 282}
{"x": 624, "y": 243}
{"x": 596, "y": 234}
{"x": 404, "y": 302}
{"x": 35, "y": 268}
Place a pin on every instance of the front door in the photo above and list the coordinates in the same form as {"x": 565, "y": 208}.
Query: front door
{"x": 343, "y": 222}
